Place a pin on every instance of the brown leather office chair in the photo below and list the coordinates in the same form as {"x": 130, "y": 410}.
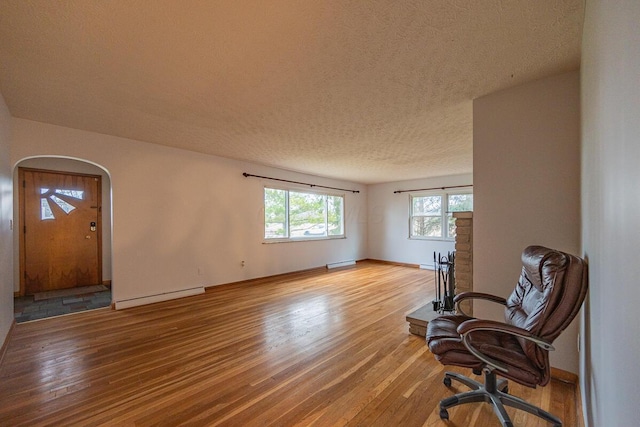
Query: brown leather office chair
{"x": 547, "y": 297}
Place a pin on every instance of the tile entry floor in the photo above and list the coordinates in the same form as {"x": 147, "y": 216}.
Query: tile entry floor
{"x": 26, "y": 309}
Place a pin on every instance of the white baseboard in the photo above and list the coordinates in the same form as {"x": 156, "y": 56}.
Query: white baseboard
{"x": 134, "y": 302}
{"x": 426, "y": 267}
{"x": 340, "y": 264}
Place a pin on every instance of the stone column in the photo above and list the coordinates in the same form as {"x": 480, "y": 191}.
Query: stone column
{"x": 464, "y": 257}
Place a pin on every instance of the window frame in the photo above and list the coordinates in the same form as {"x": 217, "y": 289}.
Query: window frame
{"x": 445, "y": 214}
{"x": 303, "y": 238}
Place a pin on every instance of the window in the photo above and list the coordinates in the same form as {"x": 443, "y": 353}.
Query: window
{"x": 299, "y": 215}
{"x": 45, "y": 204}
{"x": 431, "y": 214}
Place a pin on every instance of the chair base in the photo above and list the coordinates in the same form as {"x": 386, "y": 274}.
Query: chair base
{"x": 494, "y": 392}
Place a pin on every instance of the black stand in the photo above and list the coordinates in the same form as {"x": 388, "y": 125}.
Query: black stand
{"x": 445, "y": 282}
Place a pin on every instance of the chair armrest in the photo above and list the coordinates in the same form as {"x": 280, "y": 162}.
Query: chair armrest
{"x": 473, "y": 325}
{"x": 476, "y": 295}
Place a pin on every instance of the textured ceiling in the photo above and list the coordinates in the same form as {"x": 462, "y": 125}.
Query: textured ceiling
{"x": 366, "y": 91}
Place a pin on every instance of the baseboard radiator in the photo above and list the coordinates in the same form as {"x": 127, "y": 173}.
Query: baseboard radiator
{"x": 165, "y": 296}
{"x": 340, "y": 264}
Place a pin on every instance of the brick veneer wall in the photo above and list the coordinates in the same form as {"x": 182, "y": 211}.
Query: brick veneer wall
{"x": 464, "y": 257}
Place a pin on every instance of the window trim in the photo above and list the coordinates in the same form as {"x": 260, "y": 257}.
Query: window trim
{"x": 445, "y": 214}
{"x": 295, "y": 189}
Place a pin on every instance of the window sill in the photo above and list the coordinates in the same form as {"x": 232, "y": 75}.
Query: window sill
{"x": 434, "y": 239}
{"x": 302, "y": 239}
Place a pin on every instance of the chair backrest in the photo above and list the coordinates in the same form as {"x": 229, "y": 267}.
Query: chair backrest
{"x": 549, "y": 294}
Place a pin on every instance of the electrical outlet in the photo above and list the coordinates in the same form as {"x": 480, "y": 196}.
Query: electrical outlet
{"x": 242, "y": 263}
{"x": 200, "y": 271}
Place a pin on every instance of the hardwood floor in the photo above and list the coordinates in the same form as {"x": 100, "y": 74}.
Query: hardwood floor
{"x": 319, "y": 348}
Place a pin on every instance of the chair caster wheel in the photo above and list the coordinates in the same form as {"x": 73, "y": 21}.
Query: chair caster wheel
{"x": 447, "y": 381}
{"x": 505, "y": 390}
{"x": 444, "y": 414}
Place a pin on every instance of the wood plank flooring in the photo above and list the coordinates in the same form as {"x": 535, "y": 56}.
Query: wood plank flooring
{"x": 321, "y": 348}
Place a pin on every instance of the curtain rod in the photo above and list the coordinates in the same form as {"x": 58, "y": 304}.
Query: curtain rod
{"x": 246, "y": 175}
{"x": 434, "y": 188}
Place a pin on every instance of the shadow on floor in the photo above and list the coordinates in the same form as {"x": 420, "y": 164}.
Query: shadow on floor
{"x": 26, "y": 309}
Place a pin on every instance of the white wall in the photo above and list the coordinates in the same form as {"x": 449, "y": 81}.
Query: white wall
{"x": 609, "y": 369}
{"x": 6, "y": 216}
{"x": 176, "y": 212}
{"x": 526, "y": 176}
{"x": 66, "y": 165}
{"x": 388, "y": 231}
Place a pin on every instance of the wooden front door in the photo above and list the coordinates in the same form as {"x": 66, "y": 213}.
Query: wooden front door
{"x": 61, "y": 235}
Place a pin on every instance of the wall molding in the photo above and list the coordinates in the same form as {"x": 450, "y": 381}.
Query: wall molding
{"x": 564, "y": 376}
{"x": 165, "y": 296}
{"x": 401, "y": 264}
{"x": 5, "y": 344}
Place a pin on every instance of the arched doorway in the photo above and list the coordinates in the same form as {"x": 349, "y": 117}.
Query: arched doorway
{"x": 76, "y": 287}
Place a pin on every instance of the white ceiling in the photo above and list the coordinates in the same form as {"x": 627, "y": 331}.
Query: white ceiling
{"x": 362, "y": 90}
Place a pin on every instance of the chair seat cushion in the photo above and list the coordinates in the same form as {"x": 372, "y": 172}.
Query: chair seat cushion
{"x": 446, "y": 345}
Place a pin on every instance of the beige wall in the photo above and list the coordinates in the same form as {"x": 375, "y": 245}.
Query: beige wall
{"x": 609, "y": 369}
{"x": 183, "y": 219}
{"x": 526, "y": 176}
{"x": 6, "y": 216}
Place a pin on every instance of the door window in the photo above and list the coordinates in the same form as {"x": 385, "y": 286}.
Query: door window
{"x": 46, "y": 194}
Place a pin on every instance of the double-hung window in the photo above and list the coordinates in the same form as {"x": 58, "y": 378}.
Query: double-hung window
{"x": 431, "y": 214}
{"x": 300, "y": 215}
